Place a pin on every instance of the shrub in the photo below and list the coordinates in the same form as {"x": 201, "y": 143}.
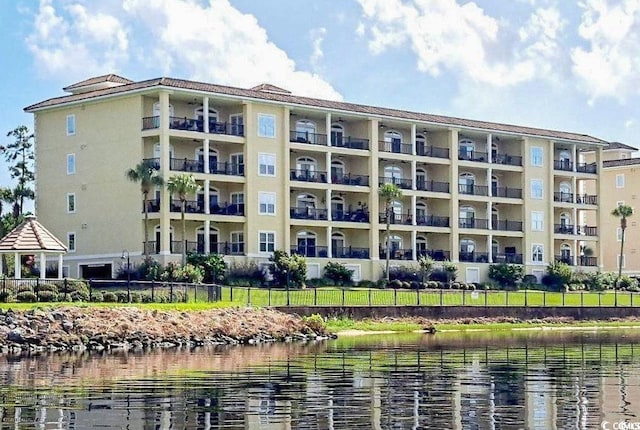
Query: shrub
{"x": 47, "y": 296}
{"x": 149, "y": 270}
{"x": 426, "y": 264}
{"x": 136, "y": 298}
{"x": 338, "y": 273}
{"x": 174, "y": 272}
{"x": 367, "y": 284}
{"x": 26, "y": 297}
{"x": 97, "y": 297}
{"x": 248, "y": 273}
{"x": 506, "y": 275}
{"x": 451, "y": 270}
{"x": 405, "y": 273}
{"x": 291, "y": 269}
{"x": 213, "y": 266}
{"x": 5, "y": 296}
{"x": 627, "y": 283}
{"x": 24, "y": 287}
{"x": 558, "y": 275}
{"x": 109, "y": 297}
{"x": 315, "y": 323}
{"x": 382, "y": 283}
{"x": 395, "y": 284}
{"x": 529, "y": 280}
{"x": 146, "y": 298}
{"x": 79, "y": 296}
{"x": 122, "y": 296}
{"x": 438, "y": 275}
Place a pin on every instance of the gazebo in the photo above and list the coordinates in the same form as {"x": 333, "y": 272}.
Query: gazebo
{"x": 31, "y": 238}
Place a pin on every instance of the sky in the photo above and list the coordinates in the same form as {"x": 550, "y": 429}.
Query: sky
{"x": 556, "y": 64}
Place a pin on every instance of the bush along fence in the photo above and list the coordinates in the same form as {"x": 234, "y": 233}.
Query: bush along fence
{"x": 71, "y": 290}
{"x": 342, "y": 296}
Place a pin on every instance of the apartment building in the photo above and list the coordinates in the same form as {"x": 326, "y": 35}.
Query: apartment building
{"x": 279, "y": 171}
{"x": 620, "y": 177}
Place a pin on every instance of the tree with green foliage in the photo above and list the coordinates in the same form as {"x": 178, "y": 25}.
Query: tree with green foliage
{"x": 426, "y": 264}
{"x": 388, "y": 193}
{"x": 20, "y": 156}
{"x": 288, "y": 270}
{"x": 338, "y": 273}
{"x": 181, "y": 185}
{"x": 558, "y": 275}
{"x": 506, "y": 275}
{"x": 623, "y": 212}
{"x": 451, "y": 270}
{"x": 146, "y": 173}
{"x": 214, "y": 266}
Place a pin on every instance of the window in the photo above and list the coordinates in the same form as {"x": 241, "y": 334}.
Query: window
{"x": 537, "y": 221}
{"x": 71, "y": 125}
{"x": 65, "y": 271}
{"x": 71, "y": 164}
{"x": 620, "y": 180}
{"x": 537, "y": 156}
{"x": 267, "y": 240}
{"x": 267, "y": 203}
{"x": 71, "y": 203}
{"x": 237, "y": 242}
{"x": 619, "y": 234}
{"x": 237, "y": 163}
{"x": 71, "y": 242}
{"x": 237, "y": 124}
{"x": 536, "y": 189}
{"x": 266, "y": 164}
{"x": 465, "y": 149}
{"x": 305, "y": 132}
{"x": 266, "y": 125}
{"x": 537, "y": 253}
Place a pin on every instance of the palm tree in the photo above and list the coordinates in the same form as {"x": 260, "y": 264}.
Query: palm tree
{"x": 182, "y": 185}
{"x": 623, "y": 212}
{"x": 389, "y": 193}
{"x": 147, "y": 174}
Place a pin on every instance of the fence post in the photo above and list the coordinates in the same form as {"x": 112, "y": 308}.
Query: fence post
{"x": 563, "y": 293}
{"x": 600, "y": 299}
{"x": 90, "y": 290}
{"x": 441, "y": 296}
{"x": 544, "y": 298}
{"x": 248, "y": 296}
{"x": 171, "y": 292}
{"x": 506, "y": 299}
{"x": 231, "y": 293}
{"x": 418, "y": 296}
{"x": 343, "y": 297}
{"x": 486, "y": 293}
{"x": 395, "y": 297}
{"x": 526, "y": 302}
{"x": 66, "y": 290}
{"x": 195, "y": 292}
{"x": 269, "y": 296}
{"x": 463, "y": 298}
{"x": 369, "y": 296}
{"x": 582, "y": 299}
{"x": 631, "y": 293}
{"x": 37, "y": 289}
{"x": 315, "y": 296}
{"x": 153, "y": 290}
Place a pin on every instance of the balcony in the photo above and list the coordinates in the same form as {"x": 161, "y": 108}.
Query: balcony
{"x": 505, "y": 225}
{"x": 397, "y": 254}
{"x": 566, "y": 259}
{"x": 350, "y": 179}
{"x": 433, "y": 221}
{"x": 350, "y": 252}
{"x": 349, "y": 142}
{"x": 586, "y": 199}
{"x": 563, "y": 228}
{"x": 354, "y": 216}
{"x": 234, "y": 209}
{"x": 190, "y": 206}
{"x": 587, "y": 261}
{"x": 433, "y": 186}
{"x": 508, "y": 258}
{"x": 473, "y": 190}
{"x": 221, "y": 248}
{"x": 310, "y": 250}
{"x": 197, "y": 166}
{"x": 563, "y": 197}
{"x": 394, "y": 147}
{"x": 481, "y": 157}
{"x": 395, "y": 218}
{"x": 308, "y": 213}
{"x": 306, "y": 137}
{"x": 435, "y": 254}
{"x": 474, "y": 257}
{"x": 226, "y": 168}
{"x": 432, "y": 151}
{"x": 507, "y": 160}
{"x": 587, "y": 230}
{"x": 473, "y": 223}
{"x": 190, "y": 124}
{"x": 565, "y": 165}
{"x": 309, "y": 176}
{"x": 405, "y": 184}
{"x": 587, "y": 168}
{"x": 153, "y": 205}
{"x": 510, "y": 193}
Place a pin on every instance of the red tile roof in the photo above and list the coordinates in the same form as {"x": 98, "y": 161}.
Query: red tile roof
{"x": 293, "y": 100}
{"x": 621, "y": 162}
{"x": 31, "y": 236}
{"x": 98, "y": 79}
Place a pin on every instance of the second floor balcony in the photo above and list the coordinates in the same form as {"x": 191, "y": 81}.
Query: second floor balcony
{"x": 395, "y": 147}
{"x": 308, "y": 213}
{"x": 473, "y": 223}
{"x": 308, "y": 175}
{"x": 435, "y": 254}
{"x": 473, "y": 190}
{"x": 466, "y": 155}
{"x": 349, "y": 142}
{"x": 506, "y": 225}
{"x": 193, "y": 124}
{"x": 507, "y": 192}
{"x": 433, "y": 186}
{"x": 580, "y": 260}
{"x": 586, "y": 168}
{"x": 474, "y": 257}
{"x": 506, "y": 159}
{"x": 432, "y": 151}
{"x": 350, "y": 216}
{"x": 405, "y": 184}
{"x": 509, "y": 258}
{"x": 307, "y": 137}
{"x": 565, "y": 165}
{"x": 349, "y": 252}
{"x": 350, "y": 179}
{"x": 433, "y": 221}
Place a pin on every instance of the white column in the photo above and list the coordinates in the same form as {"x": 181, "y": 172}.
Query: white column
{"x": 17, "y": 265}
{"x": 413, "y": 209}
{"x": 414, "y": 238}
{"x": 328, "y": 128}
{"x": 328, "y": 164}
{"x": 413, "y": 142}
{"x": 490, "y": 247}
{"x": 207, "y": 199}
{"x": 43, "y": 266}
{"x": 329, "y": 233}
{"x": 327, "y": 199}
{"x": 205, "y": 155}
{"x": 574, "y": 149}
{"x": 60, "y": 272}
{"x": 489, "y": 142}
{"x": 165, "y": 171}
{"x": 1, "y": 266}
{"x": 207, "y": 238}
{"x": 414, "y": 184}
{"x": 205, "y": 117}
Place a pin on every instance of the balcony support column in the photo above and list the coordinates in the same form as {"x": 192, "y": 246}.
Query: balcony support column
{"x": 374, "y": 198}
{"x": 205, "y": 155}
{"x": 414, "y": 182}
{"x": 207, "y": 236}
{"x": 60, "y": 271}
{"x": 165, "y": 196}
{"x": 328, "y": 167}
{"x": 414, "y": 244}
{"x": 490, "y": 149}
{"x": 489, "y": 216}
{"x": 327, "y": 199}
{"x": 600, "y": 213}
{"x": 207, "y": 197}
{"x": 414, "y": 200}
{"x": 205, "y": 119}
{"x": 574, "y": 156}
{"x": 413, "y": 151}
{"x": 490, "y": 248}
{"x": 327, "y": 129}
{"x": 454, "y": 208}
{"x": 329, "y": 233}
{"x": 574, "y": 215}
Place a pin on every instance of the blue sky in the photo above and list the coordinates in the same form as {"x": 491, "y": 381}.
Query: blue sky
{"x": 556, "y": 64}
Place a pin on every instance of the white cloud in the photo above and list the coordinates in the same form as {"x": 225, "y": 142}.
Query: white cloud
{"x": 462, "y": 39}
{"x": 317, "y": 36}
{"x": 184, "y": 38}
{"x": 608, "y": 66}
{"x": 79, "y": 44}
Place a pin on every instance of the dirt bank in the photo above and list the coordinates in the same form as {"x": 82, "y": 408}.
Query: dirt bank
{"x": 81, "y": 328}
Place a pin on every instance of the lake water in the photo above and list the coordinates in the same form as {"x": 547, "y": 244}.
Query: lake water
{"x": 504, "y": 380}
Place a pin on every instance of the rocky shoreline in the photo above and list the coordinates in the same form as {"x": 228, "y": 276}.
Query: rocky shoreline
{"x": 132, "y": 328}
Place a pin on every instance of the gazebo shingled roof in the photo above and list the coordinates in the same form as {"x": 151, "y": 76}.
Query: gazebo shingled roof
{"x": 31, "y": 236}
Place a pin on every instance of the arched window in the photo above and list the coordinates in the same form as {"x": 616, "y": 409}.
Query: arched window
{"x": 564, "y": 156}
{"x": 306, "y": 131}
{"x": 214, "y": 242}
{"x": 565, "y": 192}
{"x": 214, "y": 166}
{"x": 421, "y": 179}
{"x": 465, "y": 149}
{"x": 395, "y": 243}
{"x": 466, "y": 182}
{"x": 337, "y": 172}
{"x": 338, "y": 246}
{"x": 421, "y": 213}
{"x": 565, "y": 253}
{"x": 467, "y": 217}
{"x": 306, "y": 243}
{"x": 337, "y": 135}
{"x": 306, "y": 201}
{"x": 421, "y": 144}
{"x": 393, "y": 141}
{"x": 214, "y": 205}
{"x": 467, "y": 249}
{"x": 337, "y": 209}
{"x": 156, "y": 110}
{"x": 565, "y": 160}
{"x": 393, "y": 174}
{"x": 396, "y": 207}
{"x": 565, "y": 223}
{"x": 421, "y": 246}
{"x": 214, "y": 126}
{"x": 306, "y": 169}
